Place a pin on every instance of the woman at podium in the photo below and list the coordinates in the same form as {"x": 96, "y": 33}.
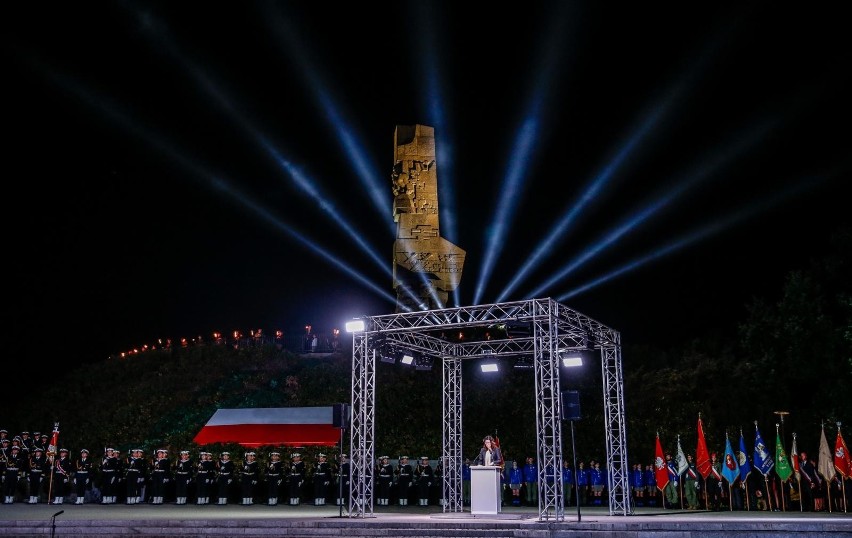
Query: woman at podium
{"x": 489, "y": 454}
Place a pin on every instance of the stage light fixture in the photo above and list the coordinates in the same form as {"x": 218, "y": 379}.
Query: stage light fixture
{"x": 355, "y": 326}
{"x": 406, "y": 358}
{"x": 423, "y": 363}
{"x": 387, "y": 354}
{"x": 489, "y": 367}
{"x": 571, "y": 359}
{"x": 524, "y": 363}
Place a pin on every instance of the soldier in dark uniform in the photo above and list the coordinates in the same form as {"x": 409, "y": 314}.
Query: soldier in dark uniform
{"x": 83, "y": 470}
{"x": 295, "y": 478}
{"x": 321, "y": 479}
{"x": 41, "y": 441}
{"x": 206, "y": 478}
{"x": 183, "y": 477}
{"x": 135, "y": 475}
{"x": 224, "y": 476}
{"x": 120, "y": 480}
{"x": 4, "y": 456}
{"x": 344, "y": 477}
{"x": 274, "y": 477}
{"x": 14, "y": 465}
{"x": 161, "y": 470}
{"x": 385, "y": 481}
{"x": 62, "y": 476}
{"x": 691, "y": 484}
{"x": 248, "y": 477}
{"x": 109, "y": 467}
{"x": 404, "y": 480}
{"x": 423, "y": 476}
{"x": 39, "y": 468}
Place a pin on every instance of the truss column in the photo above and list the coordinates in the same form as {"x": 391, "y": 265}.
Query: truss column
{"x": 616, "y": 434}
{"x": 548, "y": 426}
{"x": 451, "y": 457}
{"x": 363, "y": 427}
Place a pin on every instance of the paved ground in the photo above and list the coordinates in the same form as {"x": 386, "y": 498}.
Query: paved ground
{"x": 311, "y": 521}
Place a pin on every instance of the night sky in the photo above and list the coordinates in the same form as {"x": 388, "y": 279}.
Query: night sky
{"x": 172, "y": 168}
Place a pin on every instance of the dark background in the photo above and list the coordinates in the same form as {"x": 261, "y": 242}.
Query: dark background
{"x": 128, "y": 164}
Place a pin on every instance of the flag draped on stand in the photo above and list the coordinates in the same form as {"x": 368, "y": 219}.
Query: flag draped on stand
{"x": 825, "y": 464}
{"x": 763, "y": 461}
{"x": 702, "y": 456}
{"x": 742, "y": 459}
{"x": 661, "y": 473}
{"x": 731, "y": 469}
{"x": 682, "y": 464}
{"x": 794, "y": 458}
{"x": 842, "y": 461}
{"x": 782, "y": 464}
{"x": 52, "y": 448}
{"x": 54, "y": 441}
{"x": 745, "y": 467}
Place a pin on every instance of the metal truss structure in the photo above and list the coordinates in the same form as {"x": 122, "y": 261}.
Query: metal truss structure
{"x": 554, "y": 329}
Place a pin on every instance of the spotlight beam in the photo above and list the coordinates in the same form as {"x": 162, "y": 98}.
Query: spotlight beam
{"x": 700, "y": 233}
{"x": 560, "y": 229}
{"x": 287, "y": 35}
{"x": 551, "y": 47}
{"x": 663, "y": 200}
{"x": 209, "y": 179}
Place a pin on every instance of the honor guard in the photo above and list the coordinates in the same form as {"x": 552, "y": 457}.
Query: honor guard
{"x": 322, "y": 478}
{"x": 109, "y": 480}
{"x": 183, "y": 476}
{"x": 161, "y": 470}
{"x": 205, "y": 477}
{"x": 38, "y": 470}
{"x": 404, "y": 479}
{"x": 83, "y": 469}
{"x": 248, "y": 477}
{"x": 135, "y": 476}
{"x": 62, "y": 476}
{"x": 423, "y": 475}
{"x": 14, "y": 463}
{"x": 274, "y": 477}
{"x": 224, "y": 476}
{"x": 295, "y": 478}
{"x": 385, "y": 474}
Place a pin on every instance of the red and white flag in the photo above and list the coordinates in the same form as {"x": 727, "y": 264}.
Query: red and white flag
{"x": 661, "y": 472}
{"x": 842, "y": 462}
{"x": 276, "y": 426}
{"x": 702, "y": 456}
{"x": 54, "y": 440}
{"x": 794, "y": 457}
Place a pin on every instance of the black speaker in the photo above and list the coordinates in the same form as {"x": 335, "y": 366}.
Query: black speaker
{"x": 340, "y": 415}
{"x": 570, "y": 405}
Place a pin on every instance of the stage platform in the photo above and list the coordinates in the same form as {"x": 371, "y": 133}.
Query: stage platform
{"x": 171, "y": 520}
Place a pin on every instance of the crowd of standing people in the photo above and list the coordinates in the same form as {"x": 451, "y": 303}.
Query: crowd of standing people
{"x": 34, "y": 472}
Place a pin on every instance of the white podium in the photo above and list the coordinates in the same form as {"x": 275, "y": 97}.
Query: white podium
{"x": 485, "y": 489}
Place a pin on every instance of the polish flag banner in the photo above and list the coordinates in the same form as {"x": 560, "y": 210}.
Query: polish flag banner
{"x": 274, "y": 426}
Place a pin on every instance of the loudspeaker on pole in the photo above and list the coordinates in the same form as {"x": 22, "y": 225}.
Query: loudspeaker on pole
{"x": 570, "y": 405}
{"x": 340, "y": 415}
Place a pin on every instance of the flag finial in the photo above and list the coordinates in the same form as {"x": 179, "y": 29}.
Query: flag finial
{"x": 755, "y": 424}
{"x": 794, "y": 436}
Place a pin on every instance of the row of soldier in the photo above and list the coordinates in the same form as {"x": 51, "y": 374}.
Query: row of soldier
{"x": 37, "y": 475}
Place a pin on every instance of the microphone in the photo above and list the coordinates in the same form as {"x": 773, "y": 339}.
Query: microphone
{"x": 59, "y": 512}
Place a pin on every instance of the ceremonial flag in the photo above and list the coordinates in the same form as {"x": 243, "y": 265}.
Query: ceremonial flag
{"x": 278, "y": 426}
{"x": 661, "y": 473}
{"x": 842, "y": 462}
{"x": 825, "y": 465}
{"x": 794, "y": 457}
{"x": 702, "y": 457}
{"x": 680, "y": 459}
{"x": 742, "y": 459}
{"x": 731, "y": 469}
{"x": 54, "y": 440}
{"x": 782, "y": 464}
{"x": 763, "y": 461}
